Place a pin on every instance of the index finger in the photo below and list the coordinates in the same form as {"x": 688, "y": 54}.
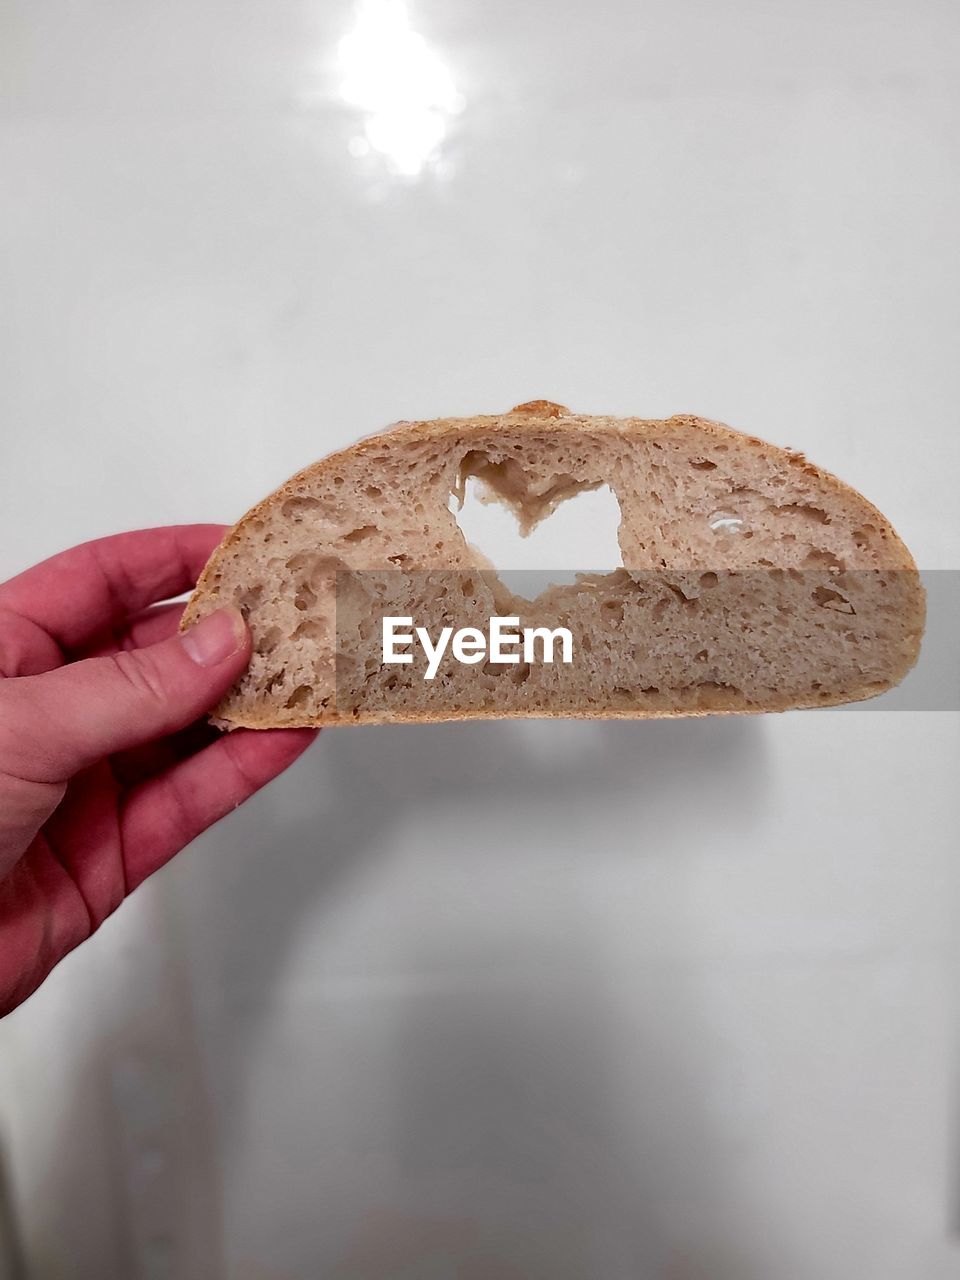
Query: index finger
{"x": 79, "y": 592}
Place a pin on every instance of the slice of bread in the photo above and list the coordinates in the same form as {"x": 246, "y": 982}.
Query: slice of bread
{"x": 752, "y": 580}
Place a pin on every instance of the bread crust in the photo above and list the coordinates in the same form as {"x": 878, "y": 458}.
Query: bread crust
{"x": 531, "y": 418}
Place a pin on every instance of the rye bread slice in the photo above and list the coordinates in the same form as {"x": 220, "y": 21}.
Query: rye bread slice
{"x": 752, "y": 580}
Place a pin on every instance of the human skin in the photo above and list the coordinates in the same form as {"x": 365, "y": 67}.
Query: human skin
{"x": 107, "y": 768}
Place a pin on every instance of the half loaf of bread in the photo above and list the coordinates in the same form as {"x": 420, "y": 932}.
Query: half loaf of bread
{"x": 751, "y": 581}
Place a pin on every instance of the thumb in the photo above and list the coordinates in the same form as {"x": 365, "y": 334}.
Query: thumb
{"x": 64, "y": 720}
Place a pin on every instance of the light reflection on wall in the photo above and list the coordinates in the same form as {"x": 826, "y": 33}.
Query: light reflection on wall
{"x": 403, "y": 88}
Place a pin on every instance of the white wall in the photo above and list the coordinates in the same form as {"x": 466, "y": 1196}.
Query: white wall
{"x": 500, "y": 1000}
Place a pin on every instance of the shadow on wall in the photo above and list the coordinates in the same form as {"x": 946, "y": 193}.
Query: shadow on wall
{"x": 476, "y": 1105}
{"x": 11, "y": 1250}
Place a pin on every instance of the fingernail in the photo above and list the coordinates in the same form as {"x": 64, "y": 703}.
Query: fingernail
{"x": 215, "y": 637}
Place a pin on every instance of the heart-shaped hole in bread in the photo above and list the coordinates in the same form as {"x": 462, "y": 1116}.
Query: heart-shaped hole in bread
{"x": 535, "y": 544}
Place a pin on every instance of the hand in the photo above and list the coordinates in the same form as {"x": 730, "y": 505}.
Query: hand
{"x": 101, "y": 779}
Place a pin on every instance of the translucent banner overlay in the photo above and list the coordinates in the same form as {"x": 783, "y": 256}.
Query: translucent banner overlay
{"x": 414, "y": 643}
